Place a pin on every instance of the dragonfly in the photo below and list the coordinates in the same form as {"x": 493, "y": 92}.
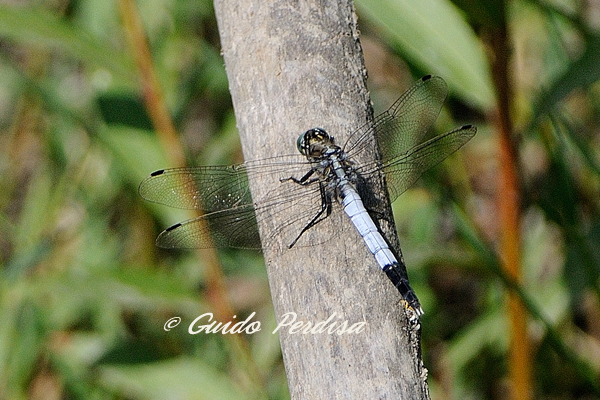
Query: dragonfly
{"x": 321, "y": 176}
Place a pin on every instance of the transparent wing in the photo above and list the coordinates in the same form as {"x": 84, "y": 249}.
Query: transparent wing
{"x": 234, "y": 227}
{"x": 201, "y": 188}
{"x": 405, "y": 124}
{"x": 230, "y": 216}
{"x": 213, "y": 188}
{"x": 402, "y": 171}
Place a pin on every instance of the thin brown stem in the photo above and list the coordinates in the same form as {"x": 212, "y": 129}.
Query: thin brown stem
{"x": 509, "y": 210}
{"x": 216, "y": 294}
{"x": 151, "y": 89}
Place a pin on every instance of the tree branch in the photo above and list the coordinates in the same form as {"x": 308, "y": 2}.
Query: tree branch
{"x": 293, "y": 66}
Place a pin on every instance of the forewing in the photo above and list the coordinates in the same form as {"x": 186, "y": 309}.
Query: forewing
{"x": 402, "y": 171}
{"x": 405, "y": 124}
{"x": 208, "y": 189}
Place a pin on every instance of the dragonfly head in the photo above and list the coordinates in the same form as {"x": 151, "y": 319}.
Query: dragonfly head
{"x": 314, "y": 142}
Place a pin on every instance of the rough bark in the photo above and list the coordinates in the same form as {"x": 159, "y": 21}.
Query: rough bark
{"x": 292, "y": 66}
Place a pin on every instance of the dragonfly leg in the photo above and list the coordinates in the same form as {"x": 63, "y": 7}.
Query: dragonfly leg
{"x": 325, "y": 208}
{"x": 302, "y": 181}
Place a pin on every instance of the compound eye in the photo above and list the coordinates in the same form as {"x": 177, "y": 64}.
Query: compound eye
{"x": 311, "y": 137}
{"x": 301, "y": 143}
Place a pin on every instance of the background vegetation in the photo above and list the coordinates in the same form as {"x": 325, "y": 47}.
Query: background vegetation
{"x": 84, "y": 293}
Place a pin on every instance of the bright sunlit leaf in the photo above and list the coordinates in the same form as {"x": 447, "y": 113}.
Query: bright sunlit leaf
{"x": 433, "y": 35}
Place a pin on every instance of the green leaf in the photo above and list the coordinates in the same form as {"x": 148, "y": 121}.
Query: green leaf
{"x": 44, "y": 29}
{"x": 579, "y": 74}
{"x": 127, "y": 144}
{"x": 183, "y": 378}
{"x": 433, "y": 35}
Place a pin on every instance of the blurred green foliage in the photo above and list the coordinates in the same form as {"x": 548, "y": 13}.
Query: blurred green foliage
{"x": 84, "y": 293}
